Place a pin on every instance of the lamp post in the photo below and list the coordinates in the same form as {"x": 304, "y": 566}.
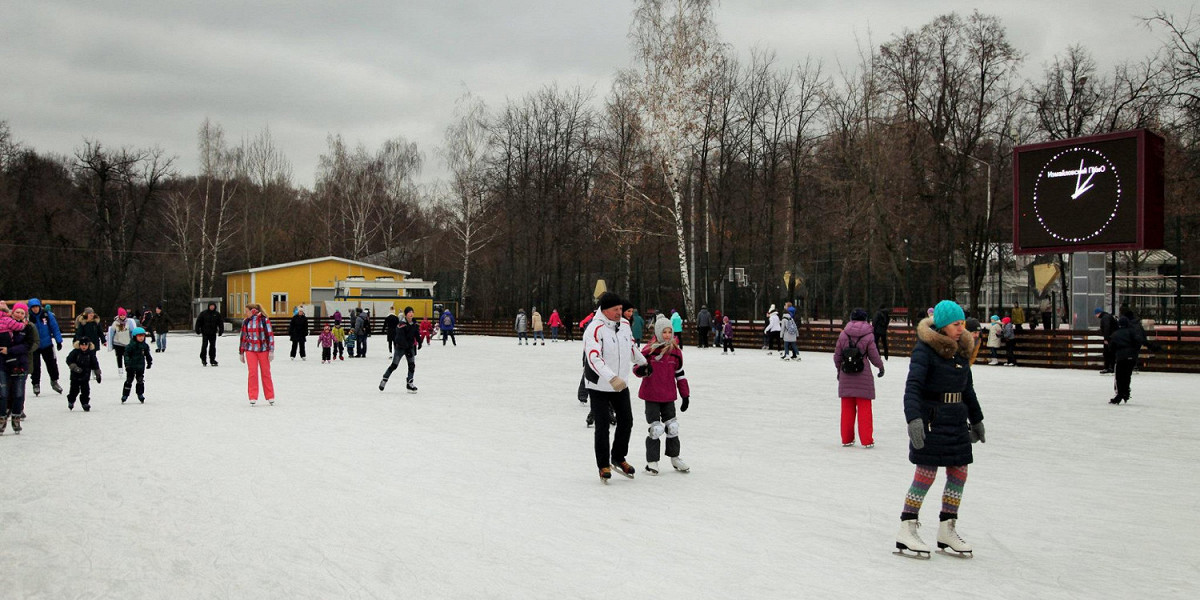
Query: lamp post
{"x": 987, "y": 228}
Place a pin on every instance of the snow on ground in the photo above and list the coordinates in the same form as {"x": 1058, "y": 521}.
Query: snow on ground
{"x": 483, "y": 485}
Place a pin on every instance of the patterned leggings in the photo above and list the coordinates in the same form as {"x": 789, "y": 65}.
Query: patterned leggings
{"x": 956, "y": 477}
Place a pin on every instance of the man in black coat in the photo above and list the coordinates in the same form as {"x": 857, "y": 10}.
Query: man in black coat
{"x": 390, "y": 323}
{"x": 298, "y": 332}
{"x": 1125, "y": 343}
{"x": 209, "y": 325}
{"x": 879, "y": 327}
{"x": 1108, "y": 325}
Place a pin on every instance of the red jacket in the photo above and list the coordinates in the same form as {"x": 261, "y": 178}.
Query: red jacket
{"x": 555, "y": 320}
{"x": 257, "y": 335}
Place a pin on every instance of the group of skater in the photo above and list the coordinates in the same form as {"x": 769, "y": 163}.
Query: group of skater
{"x": 533, "y": 323}
{"x": 30, "y": 338}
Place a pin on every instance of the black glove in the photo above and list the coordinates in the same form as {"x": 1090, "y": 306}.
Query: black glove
{"x": 976, "y": 431}
{"x": 148, "y": 365}
{"x": 97, "y": 376}
{"x": 60, "y": 346}
{"x": 683, "y": 405}
{"x": 76, "y": 369}
{"x": 643, "y": 370}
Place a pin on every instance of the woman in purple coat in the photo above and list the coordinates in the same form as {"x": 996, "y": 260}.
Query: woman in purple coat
{"x": 856, "y": 384}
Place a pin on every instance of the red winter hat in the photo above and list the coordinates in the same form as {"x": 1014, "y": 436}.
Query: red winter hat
{"x": 121, "y": 312}
{"x": 1006, "y": 320}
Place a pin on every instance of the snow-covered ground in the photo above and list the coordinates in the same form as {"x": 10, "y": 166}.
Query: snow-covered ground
{"x": 483, "y": 485}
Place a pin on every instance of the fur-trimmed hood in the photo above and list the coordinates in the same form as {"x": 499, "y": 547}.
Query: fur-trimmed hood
{"x": 941, "y": 343}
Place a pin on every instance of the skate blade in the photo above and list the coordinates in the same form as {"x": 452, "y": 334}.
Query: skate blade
{"x": 956, "y": 554}
{"x": 687, "y": 470}
{"x": 651, "y": 472}
{"x": 913, "y": 554}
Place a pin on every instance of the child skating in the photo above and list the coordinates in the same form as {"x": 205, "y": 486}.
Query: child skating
{"x": 658, "y": 390}
{"x": 83, "y": 364}
{"x": 325, "y": 341}
{"x": 138, "y": 360}
{"x": 944, "y": 419}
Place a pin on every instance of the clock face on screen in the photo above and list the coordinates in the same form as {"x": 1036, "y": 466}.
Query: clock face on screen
{"x": 1077, "y": 194}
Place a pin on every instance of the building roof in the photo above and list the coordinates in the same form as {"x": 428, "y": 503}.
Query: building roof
{"x": 317, "y": 260}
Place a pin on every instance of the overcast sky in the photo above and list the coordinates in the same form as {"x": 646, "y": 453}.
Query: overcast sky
{"x": 147, "y": 72}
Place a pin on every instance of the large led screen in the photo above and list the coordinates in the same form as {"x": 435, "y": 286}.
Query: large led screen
{"x": 1089, "y": 194}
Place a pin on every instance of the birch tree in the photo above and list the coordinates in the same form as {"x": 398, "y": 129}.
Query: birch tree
{"x": 468, "y": 205}
{"x": 677, "y": 48}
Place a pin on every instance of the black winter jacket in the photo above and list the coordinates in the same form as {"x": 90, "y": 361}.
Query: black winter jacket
{"x": 407, "y": 338}
{"x": 210, "y": 323}
{"x": 1126, "y": 342}
{"x": 1108, "y": 325}
{"x": 160, "y": 322}
{"x": 298, "y": 328}
{"x": 939, "y": 365}
{"x": 82, "y": 364}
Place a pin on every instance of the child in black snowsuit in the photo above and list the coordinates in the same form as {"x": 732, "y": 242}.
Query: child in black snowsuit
{"x": 137, "y": 360}
{"x": 82, "y": 362}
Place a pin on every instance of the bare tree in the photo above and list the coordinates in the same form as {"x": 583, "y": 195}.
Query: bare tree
{"x": 677, "y": 47}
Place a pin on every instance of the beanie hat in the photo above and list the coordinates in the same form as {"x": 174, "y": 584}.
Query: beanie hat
{"x": 1097, "y": 311}
{"x": 626, "y": 303}
{"x": 609, "y": 300}
{"x": 1006, "y": 320}
{"x": 21, "y": 306}
{"x": 972, "y": 324}
{"x": 947, "y": 312}
{"x": 995, "y": 317}
{"x": 121, "y": 312}
{"x": 858, "y": 314}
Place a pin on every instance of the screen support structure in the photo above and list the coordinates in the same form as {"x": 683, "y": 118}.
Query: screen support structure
{"x": 1088, "y": 271}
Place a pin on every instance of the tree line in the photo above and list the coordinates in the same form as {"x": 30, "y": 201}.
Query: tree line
{"x": 864, "y": 183}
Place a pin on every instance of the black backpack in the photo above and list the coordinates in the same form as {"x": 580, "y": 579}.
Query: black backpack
{"x": 852, "y": 358}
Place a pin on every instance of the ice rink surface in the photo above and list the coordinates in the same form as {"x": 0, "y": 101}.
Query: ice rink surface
{"x": 483, "y": 485}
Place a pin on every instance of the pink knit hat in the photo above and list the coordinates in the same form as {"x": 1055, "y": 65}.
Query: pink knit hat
{"x": 21, "y": 306}
{"x": 121, "y": 312}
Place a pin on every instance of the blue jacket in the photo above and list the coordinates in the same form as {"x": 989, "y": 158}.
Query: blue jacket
{"x": 46, "y": 323}
{"x": 442, "y": 321}
{"x": 939, "y": 365}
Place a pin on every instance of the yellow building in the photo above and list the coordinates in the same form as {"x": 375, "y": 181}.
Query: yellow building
{"x": 324, "y": 285}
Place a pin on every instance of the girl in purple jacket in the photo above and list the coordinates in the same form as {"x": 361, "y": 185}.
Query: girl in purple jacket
{"x": 727, "y": 335}
{"x": 658, "y": 389}
{"x": 857, "y": 389}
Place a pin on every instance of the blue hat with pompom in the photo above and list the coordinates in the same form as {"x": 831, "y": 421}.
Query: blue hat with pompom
{"x": 947, "y": 312}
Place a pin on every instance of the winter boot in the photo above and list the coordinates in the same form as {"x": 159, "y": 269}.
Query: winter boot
{"x": 16, "y": 424}
{"x": 37, "y": 389}
{"x": 679, "y": 465}
{"x": 54, "y": 386}
{"x": 948, "y": 538}
{"x": 907, "y": 539}
{"x": 652, "y": 468}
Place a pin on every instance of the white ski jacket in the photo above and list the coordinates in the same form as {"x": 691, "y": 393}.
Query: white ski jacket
{"x": 608, "y": 351}
{"x": 772, "y": 322}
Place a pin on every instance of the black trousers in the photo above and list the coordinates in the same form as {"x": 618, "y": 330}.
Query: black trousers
{"x": 410, "y": 355}
{"x": 208, "y": 344}
{"x": 727, "y": 342}
{"x": 1046, "y": 321}
{"x": 448, "y": 332}
{"x": 704, "y": 333}
{"x": 120, "y": 352}
{"x": 618, "y": 401}
{"x": 44, "y": 354}
{"x": 1010, "y": 347}
{"x": 660, "y": 411}
{"x": 362, "y": 346}
{"x": 298, "y": 344}
{"x": 881, "y": 342}
{"x": 81, "y": 390}
{"x": 1124, "y": 374}
{"x": 1110, "y": 357}
{"x": 326, "y": 353}
{"x": 130, "y": 376}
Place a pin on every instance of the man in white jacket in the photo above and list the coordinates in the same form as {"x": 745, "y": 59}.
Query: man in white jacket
{"x": 609, "y": 357}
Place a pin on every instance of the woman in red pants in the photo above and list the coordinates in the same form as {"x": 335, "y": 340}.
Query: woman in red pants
{"x": 257, "y": 350}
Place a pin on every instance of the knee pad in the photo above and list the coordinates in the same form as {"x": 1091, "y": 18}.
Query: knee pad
{"x": 672, "y": 428}
{"x": 656, "y": 430}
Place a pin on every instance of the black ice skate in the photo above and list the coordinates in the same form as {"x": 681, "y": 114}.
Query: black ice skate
{"x": 412, "y": 389}
{"x": 37, "y": 389}
{"x": 382, "y": 383}
{"x": 54, "y": 386}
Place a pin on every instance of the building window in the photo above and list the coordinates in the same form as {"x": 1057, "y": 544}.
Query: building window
{"x": 245, "y": 301}
{"x": 279, "y": 303}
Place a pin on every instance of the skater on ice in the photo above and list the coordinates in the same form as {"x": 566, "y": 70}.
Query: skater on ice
{"x": 88, "y": 325}
{"x": 610, "y": 356}
{"x": 664, "y": 382}
{"x": 407, "y": 342}
{"x": 83, "y": 364}
{"x": 535, "y": 322}
{"x": 555, "y": 325}
{"x": 298, "y": 332}
{"x": 339, "y": 343}
{"x": 790, "y": 334}
{"x": 520, "y": 326}
{"x": 257, "y": 349}
{"x": 209, "y": 325}
{"x": 944, "y": 419}
{"x": 856, "y": 386}
{"x": 161, "y": 327}
{"x": 48, "y": 336}
{"x": 138, "y": 360}
{"x": 446, "y": 324}
{"x": 325, "y": 341}
{"x": 119, "y": 337}
{"x": 390, "y": 323}
{"x": 17, "y": 342}
{"x": 1126, "y": 342}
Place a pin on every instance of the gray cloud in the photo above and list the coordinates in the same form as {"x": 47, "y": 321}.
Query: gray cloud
{"x": 147, "y": 73}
